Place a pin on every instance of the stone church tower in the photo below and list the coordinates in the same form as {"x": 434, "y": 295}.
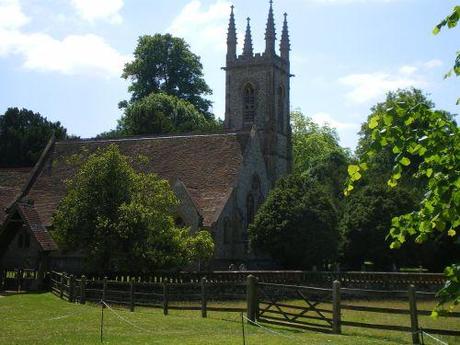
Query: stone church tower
{"x": 257, "y": 93}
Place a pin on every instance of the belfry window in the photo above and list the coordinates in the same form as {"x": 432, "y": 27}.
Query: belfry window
{"x": 249, "y": 103}
{"x": 280, "y": 109}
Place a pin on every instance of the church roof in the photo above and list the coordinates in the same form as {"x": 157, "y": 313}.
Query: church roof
{"x": 11, "y": 182}
{"x": 208, "y": 165}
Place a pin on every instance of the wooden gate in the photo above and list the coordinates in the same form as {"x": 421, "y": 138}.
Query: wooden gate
{"x": 297, "y": 306}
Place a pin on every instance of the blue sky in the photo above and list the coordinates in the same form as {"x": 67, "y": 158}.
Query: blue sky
{"x": 63, "y": 58}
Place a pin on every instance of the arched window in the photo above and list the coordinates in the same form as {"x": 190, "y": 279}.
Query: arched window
{"x": 249, "y": 103}
{"x": 280, "y": 109}
{"x": 227, "y": 231}
{"x": 250, "y": 209}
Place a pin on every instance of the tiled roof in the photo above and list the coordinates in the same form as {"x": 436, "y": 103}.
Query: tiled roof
{"x": 11, "y": 182}
{"x": 208, "y": 165}
{"x": 32, "y": 220}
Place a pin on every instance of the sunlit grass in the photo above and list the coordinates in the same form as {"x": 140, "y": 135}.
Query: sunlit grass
{"x": 45, "y": 319}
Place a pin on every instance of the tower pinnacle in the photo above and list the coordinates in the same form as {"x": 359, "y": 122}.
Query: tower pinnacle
{"x": 285, "y": 45}
{"x": 247, "y": 50}
{"x": 270, "y": 33}
{"x": 231, "y": 37}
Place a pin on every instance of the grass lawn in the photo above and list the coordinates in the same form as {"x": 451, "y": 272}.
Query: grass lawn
{"x": 45, "y": 319}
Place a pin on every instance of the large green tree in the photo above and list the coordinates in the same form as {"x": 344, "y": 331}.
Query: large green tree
{"x": 368, "y": 212}
{"x": 123, "y": 220}
{"x": 160, "y": 113}
{"x": 23, "y": 136}
{"x": 311, "y": 143}
{"x": 163, "y": 63}
{"x": 426, "y": 145}
{"x": 297, "y": 224}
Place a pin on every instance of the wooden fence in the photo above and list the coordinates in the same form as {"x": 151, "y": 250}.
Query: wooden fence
{"x": 366, "y": 280}
{"x": 362, "y": 280}
{"x": 320, "y": 309}
{"x": 134, "y": 292}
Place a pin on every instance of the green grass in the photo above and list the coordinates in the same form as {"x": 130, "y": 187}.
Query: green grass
{"x": 45, "y": 319}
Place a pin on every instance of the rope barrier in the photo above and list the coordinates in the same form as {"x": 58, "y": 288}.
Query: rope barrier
{"x": 422, "y": 332}
{"x": 126, "y": 320}
{"x": 270, "y": 330}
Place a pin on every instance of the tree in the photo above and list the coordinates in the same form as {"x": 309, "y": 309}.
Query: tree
{"x": 23, "y": 136}
{"x": 160, "y": 113}
{"x": 372, "y": 205}
{"x": 296, "y": 225}
{"x": 451, "y": 21}
{"x": 121, "y": 219}
{"x": 311, "y": 142}
{"x": 163, "y": 63}
{"x": 201, "y": 247}
{"x": 365, "y": 223}
{"x": 426, "y": 143}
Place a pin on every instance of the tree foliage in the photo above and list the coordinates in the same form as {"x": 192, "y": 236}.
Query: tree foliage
{"x": 369, "y": 210}
{"x": 311, "y": 143}
{"x": 365, "y": 223}
{"x": 450, "y": 22}
{"x": 163, "y": 63}
{"x": 160, "y": 113}
{"x": 296, "y": 225}
{"x": 23, "y": 136}
{"x": 425, "y": 142}
{"x": 123, "y": 220}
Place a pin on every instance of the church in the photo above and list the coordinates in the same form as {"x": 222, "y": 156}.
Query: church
{"x": 220, "y": 179}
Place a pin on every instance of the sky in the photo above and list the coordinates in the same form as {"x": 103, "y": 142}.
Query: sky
{"x": 64, "y": 58}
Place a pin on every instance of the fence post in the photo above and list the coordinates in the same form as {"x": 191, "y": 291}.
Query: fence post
{"x": 204, "y": 298}
{"x": 165, "y": 298}
{"x": 83, "y": 289}
{"x": 336, "y": 312}
{"x": 131, "y": 295}
{"x": 104, "y": 288}
{"x": 413, "y": 315}
{"x": 61, "y": 286}
{"x": 252, "y": 302}
{"x": 72, "y": 288}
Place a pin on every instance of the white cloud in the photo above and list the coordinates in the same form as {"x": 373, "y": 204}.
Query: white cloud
{"x": 73, "y": 54}
{"x": 11, "y": 15}
{"x": 327, "y": 119}
{"x": 91, "y": 10}
{"x": 369, "y": 86}
{"x": 202, "y": 28}
{"x": 432, "y": 64}
{"x": 408, "y": 70}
